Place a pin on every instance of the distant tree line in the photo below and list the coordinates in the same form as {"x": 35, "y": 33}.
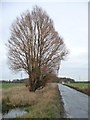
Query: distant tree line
{"x": 52, "y": 78}
{"x": 66, "y": 80}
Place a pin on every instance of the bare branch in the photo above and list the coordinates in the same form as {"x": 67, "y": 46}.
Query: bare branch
{"x": 35, "y": 46}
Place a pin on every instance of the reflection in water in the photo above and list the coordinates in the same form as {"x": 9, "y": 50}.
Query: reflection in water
{"x": 13, "y": 113}
{"x": 0, "y": 116}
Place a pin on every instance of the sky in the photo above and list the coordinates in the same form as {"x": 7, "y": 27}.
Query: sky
{"x": 70, "y": 20}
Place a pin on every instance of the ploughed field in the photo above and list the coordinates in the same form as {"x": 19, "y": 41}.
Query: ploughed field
{"x": 43, "y": 103}
{"x": 82, "y": 87}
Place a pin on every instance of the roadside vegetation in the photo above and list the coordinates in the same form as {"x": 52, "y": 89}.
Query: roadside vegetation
{"x": 82, "y": 87}
{"x": 0, "y": 99}
{"x": 43, "y": 103}
{"x": 0, "y": 85}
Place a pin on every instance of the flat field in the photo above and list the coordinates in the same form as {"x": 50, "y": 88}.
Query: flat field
{"x": 0, "y": 85}
{"x": 83, "y": 87}
{"x": 10, "y": 85}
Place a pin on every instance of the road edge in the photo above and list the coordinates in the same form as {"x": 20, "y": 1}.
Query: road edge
{"x": 62, "y": 109}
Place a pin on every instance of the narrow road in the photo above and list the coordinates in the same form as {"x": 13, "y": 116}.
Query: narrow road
{"x": 75, "y": 103}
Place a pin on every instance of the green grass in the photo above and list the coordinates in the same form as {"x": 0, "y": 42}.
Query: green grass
{"x": 9, "y": 85}
{"x": 81, "y": 85}
{"x": 0, "y": 85}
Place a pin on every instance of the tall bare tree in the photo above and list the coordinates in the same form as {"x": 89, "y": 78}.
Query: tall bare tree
{"x": 35, "y": 46}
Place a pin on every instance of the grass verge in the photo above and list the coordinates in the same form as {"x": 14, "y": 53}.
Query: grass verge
{"x": 82, "y": 87}
{"x": 43, "y": 103}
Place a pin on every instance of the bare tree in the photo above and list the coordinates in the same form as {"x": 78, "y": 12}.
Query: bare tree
{"x": 35, "y": 46}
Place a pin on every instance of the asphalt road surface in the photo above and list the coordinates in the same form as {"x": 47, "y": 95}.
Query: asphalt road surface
{"x": 75, "y": 103}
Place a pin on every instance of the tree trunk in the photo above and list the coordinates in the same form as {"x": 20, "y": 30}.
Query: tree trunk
{"x": 30, "y": 83}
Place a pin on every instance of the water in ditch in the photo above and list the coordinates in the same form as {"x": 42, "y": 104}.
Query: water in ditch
{"x": 13, "y": 113}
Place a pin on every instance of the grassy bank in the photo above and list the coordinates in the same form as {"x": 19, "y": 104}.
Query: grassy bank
{"x": 0, "y": 85}
{"x": 43, "y": 103}
{"x": 82, "y": 87}
{"x": 0, "y": 100}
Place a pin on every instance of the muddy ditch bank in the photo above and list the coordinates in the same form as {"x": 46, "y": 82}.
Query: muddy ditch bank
{"x": 8, "y": 106}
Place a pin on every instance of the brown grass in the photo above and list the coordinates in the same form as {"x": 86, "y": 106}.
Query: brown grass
{"x": 19, "y": 96}
{"x": 41, "y": 103}
{"x": 47, "y": 105}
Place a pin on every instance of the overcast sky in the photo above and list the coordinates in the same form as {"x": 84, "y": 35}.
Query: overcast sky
{"x": 71, "y": 22}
